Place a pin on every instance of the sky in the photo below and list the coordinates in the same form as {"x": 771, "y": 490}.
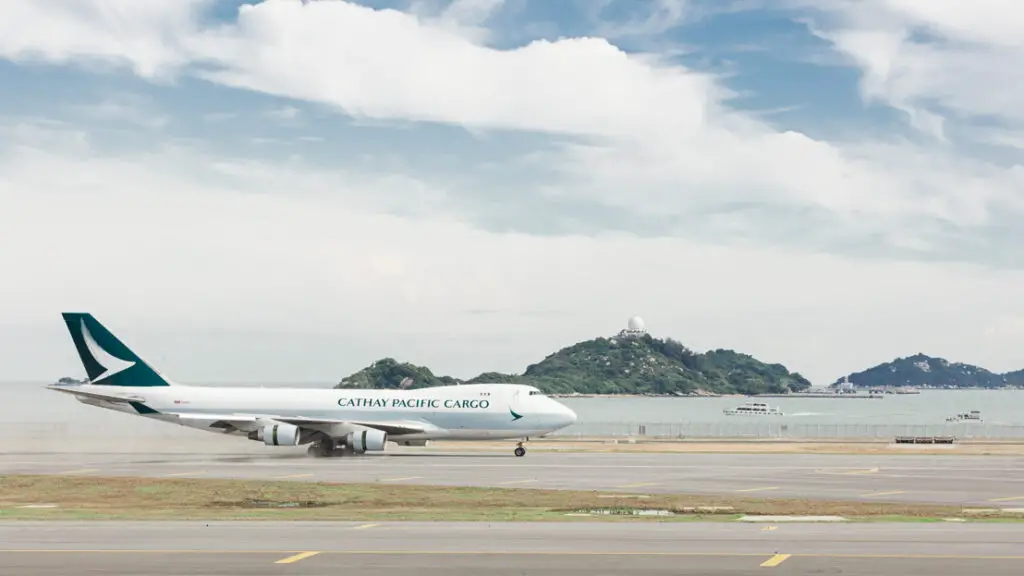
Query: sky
{"x": 287, "y": 190}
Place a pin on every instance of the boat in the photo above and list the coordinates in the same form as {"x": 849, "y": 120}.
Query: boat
{"x": 973, "y": 415}
{"x": 753, "y": 409}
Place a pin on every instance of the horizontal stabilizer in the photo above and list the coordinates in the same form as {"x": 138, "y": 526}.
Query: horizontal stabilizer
{"x": 124, "y": 398}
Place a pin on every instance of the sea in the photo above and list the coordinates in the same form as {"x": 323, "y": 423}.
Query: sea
{"x": 33, "y": 418}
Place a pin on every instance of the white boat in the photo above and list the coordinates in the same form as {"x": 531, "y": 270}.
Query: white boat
{"x": 973, "y": 415}
{"x": 753, "y": 409}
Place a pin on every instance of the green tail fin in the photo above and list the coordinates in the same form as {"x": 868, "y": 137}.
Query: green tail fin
{"x": 106, "y": 359}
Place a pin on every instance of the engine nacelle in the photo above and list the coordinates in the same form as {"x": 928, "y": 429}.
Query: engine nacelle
{"x": 278, "y": 435}
{"x": 364, "y": 440}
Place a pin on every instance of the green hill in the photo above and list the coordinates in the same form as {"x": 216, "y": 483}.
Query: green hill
{"x": 389, "y": 373}
{"x": 921, "y": 371}
{"x": 1015, "y": 378}
{"x": 620, "y": 365}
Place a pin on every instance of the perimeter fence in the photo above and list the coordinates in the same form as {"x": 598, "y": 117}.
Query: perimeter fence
{"x": 768, "y": 430}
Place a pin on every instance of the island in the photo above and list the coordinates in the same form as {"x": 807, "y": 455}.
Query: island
{"x": 921, "y": 371}
{"x": 630, "y": 363}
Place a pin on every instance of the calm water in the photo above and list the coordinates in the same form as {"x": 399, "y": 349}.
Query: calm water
{"x": 32, "y": 417}
{"x": 998, "y": 407}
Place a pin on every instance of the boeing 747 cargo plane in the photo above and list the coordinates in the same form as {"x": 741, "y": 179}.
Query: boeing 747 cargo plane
{"x": 332, "y": 421}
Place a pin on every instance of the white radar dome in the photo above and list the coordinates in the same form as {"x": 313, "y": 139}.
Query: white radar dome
{"x": 636, "y": 323}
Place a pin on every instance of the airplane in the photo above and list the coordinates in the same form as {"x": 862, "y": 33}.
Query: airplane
{"x": 334, "y": 422}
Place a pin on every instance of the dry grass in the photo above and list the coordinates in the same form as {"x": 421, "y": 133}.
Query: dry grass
{"x": 210, "y": 499}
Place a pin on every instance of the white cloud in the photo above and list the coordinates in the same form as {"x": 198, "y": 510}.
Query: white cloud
{"x": 468, "y": 17}
{"x": 873, "y": 184}
{"x": 663, "y": 15}
{"x": 381, "y": 253}
{"x": 180, "y": 238}
{"x": 385, "y": 64}
{"x": 667, "y": 127}
{"x": 933, "y": 58}
{"x": 123, "y": 107}
{"x": 285, "y": 114}
{"x": 148, "y": 35}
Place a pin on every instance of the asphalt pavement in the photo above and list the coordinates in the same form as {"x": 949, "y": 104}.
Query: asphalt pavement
{"x": 470, "y": 549}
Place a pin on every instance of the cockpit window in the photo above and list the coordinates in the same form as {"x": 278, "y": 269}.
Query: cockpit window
{"x": 536, "y": 393}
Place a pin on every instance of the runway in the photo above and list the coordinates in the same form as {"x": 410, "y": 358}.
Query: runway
{"x": 994, "y": 481}
{"x": 469, "y": 549}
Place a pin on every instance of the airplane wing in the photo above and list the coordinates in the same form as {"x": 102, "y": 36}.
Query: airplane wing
{"x": 249, "y": 422}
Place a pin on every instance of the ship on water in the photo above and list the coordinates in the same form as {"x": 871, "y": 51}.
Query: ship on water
{"x": 753, "y": 409}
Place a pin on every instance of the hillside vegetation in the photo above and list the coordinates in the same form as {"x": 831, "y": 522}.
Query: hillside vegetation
{"x": 921, "y": 371}
{"x": 635, "y": 365}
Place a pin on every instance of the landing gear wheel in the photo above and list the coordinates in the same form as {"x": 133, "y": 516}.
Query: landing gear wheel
{"x": 520, "y": 450}
{"x": 322, "y": 449}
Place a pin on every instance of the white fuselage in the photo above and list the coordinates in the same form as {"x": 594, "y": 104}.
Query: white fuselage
{"x": 465, "y": 412}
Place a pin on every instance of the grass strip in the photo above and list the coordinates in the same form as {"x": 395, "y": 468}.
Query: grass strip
{"x": 134, "y": 498}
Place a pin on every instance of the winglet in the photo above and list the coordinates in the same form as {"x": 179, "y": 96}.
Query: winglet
{"x": 106, "y": 359}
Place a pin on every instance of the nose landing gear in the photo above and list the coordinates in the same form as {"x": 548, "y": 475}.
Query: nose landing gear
{"x": 520, "y": 450}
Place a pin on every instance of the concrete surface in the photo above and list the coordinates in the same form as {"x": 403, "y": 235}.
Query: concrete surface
{"x": 995, "y": 481}
{"x": 468, "y": 549}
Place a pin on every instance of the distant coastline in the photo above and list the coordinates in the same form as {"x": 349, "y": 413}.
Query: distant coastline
{"x": 822, "y": 395}
{"x": 634, "y": 364}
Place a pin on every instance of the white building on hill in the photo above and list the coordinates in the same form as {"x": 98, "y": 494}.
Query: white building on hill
{"x": 634, "y": 328}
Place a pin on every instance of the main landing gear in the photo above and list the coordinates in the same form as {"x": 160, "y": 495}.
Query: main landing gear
{"x": 520, "y": 450}
{"x": 326, "y": 448}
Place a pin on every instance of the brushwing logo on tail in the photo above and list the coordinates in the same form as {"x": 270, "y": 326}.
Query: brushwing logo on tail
{"x": 111, "y": 364}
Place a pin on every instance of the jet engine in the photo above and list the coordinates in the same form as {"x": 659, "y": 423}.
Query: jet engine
{"x": 278, "y": 435}
{"x": 364, "y": 440}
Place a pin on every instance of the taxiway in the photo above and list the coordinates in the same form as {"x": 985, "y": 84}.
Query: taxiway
{"x": 467, "y": 549}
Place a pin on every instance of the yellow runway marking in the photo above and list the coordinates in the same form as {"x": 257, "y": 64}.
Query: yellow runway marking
{"x": 292, "y": 476}
{"x": 759, "y": 489}
{"x": 518, "y": 482}
{"x": 769, "y": 528}
{"x": 639, "y": 484}
{"x": 889, "y": 493}
{"x": 1007, "y": 499}
{"x": 81, "y": 471}
{"x": 398, "y": 479}
{"x": 364, "y": 526}
{"x": 774, "y": 560}
{"x": 185, "y": 473}
{"x": 296, "y": 558}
